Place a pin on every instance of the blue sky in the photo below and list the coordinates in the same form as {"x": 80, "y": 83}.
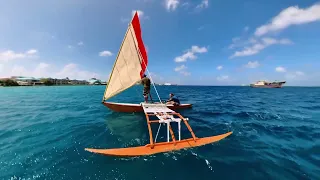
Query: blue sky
{"x": 196, "y": 42}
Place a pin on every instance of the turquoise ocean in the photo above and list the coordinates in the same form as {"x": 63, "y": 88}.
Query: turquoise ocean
{"x": 44, "y": 130}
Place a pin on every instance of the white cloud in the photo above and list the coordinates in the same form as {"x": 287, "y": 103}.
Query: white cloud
{"x": 203, "y": 4}
{"x": 197, "y": 49}
{"x": 72, "y": 71}
{"x": 185, "y": 4}
{"x": 235, "y": 43}
{"x": 11, "y": 55}
{"x": 179, "y": 68}
{"x": 299, "y": 73}
{"x": 286, "y": 18}
{"x": 294, "y": 75}
{"x": 190, "y": 54}
{"x": 280, "y": 69}
{"x": 238, "y": 42}
{"x": 182, "y": 70}
{"x": 184, "y": 57}
{"x": 145, "y": 1}
{"x": 222, "y": 78}
{"x": 253, "y": 64}
{"x": 105, "y": 53}
{"x": 249, "y": 51}
{"x": 258, "y": 46}
{"x": 171, "y": 5}
{"x": 32, "y": 51}
{"x": 271, "y": 41}
{"x": 19, "y": 71}
{"x": 140, "y": 13}
{"x": 290, "y": 16}
{"x": 219, "y": 67}
{"x": 252, "y": 40}
{"x": 185, "y": 73}
{"x": 42, "y": 70}
{"x": 80, "y": 43}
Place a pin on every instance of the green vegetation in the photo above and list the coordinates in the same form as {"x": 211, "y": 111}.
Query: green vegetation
{"x": 9, "y": 82}
{"x": 46, "y": 82}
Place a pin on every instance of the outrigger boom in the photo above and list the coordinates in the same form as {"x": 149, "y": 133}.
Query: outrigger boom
{"x": 167, "y": 116}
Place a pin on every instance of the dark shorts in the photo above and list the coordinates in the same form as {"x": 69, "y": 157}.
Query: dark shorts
{"x": 146, "y": 91}
{"x": 175, "y": 100}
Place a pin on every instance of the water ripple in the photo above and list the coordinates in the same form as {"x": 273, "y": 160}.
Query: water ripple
{"x": 44, "y": 130}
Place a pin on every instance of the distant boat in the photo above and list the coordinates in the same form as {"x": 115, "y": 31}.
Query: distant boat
{"x": 266, "y": 84}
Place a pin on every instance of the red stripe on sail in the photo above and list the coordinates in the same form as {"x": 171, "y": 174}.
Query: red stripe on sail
{"x": 137, "y": 30}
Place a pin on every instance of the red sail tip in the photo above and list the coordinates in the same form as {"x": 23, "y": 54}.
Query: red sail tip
{"x": 137, "y": 30}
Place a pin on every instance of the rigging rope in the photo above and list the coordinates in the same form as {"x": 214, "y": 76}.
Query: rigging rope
{"x": 136, "y": 46}
{"x": 152, "y": 82}
{"x": 155, "y": 140}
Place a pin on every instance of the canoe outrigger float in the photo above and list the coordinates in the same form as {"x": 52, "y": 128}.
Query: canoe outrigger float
{"x": 129, "y": 68}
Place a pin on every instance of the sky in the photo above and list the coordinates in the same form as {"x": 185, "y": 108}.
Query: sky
{"x": 191, "y": 42}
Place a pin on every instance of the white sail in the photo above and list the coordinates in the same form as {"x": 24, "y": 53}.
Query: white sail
{"x": 127, "y": 68}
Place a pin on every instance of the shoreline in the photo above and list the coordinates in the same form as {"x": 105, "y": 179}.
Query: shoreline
{"x": 54, "y": 85}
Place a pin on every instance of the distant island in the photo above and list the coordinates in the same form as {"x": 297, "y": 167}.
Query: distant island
{"x": 31, "y": 81}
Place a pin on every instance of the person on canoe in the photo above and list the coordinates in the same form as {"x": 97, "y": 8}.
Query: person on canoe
{"x": 173, "y": 100}
{"x": 145, "y": 81}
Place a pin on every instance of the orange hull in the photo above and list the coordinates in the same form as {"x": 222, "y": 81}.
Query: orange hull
{"x": 159, "y": 147}
{"x": 129, "y": 108}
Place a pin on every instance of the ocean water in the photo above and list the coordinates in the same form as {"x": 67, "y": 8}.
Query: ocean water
{"x": 44, "y": 130}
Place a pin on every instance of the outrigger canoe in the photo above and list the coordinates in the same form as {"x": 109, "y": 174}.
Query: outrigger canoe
{"x": 128, "y": 70}
{"x": 165, "y": 116}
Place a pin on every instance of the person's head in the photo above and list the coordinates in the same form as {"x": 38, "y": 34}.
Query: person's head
{"x": 144, "y": 75}
{"x": 171, "y": 95}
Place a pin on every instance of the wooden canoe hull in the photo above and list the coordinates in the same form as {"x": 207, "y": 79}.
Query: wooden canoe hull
{"x": 129, "y": 107}
{"x": 159, "y": 147}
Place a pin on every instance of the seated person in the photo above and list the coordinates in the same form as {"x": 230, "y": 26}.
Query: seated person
{"x": 173, "y": 100}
